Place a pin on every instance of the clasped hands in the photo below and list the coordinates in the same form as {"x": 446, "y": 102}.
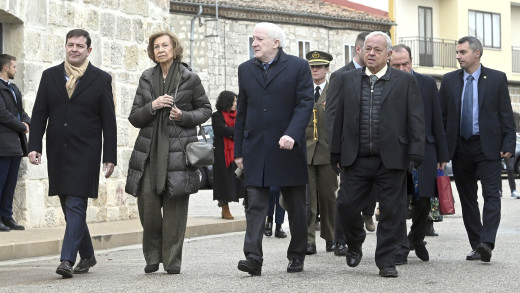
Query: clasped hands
{"x": 165, "y": 101}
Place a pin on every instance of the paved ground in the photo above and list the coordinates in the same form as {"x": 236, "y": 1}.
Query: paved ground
{"x": 209, "y": 265}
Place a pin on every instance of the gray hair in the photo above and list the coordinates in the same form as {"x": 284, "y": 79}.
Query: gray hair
{"x": 275, "y": 32}
{"x": 384, "y": 35}
{"x": 473, "y": 42}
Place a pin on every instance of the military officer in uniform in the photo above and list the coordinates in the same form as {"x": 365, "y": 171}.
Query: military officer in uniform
{"x": 323, "y": 181}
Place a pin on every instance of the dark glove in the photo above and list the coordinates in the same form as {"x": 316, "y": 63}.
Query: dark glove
{"x": 416, "y": 160}
{"x": 335, "y": 159}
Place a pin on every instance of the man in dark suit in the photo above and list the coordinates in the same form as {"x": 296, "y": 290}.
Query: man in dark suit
{"x": 368, "y": 212}
{"x": 378, "y": 131}
{"x": 478, "y": 119}
{"x": 14, "y": 124}
{"x": 323, "y": 181}
{"x": 75, "y": 102}
{"x": 274, "y": 106}
{"x": 435, "y": 158}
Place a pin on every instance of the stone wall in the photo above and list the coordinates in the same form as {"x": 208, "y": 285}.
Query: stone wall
{"x": 34, "y": 32}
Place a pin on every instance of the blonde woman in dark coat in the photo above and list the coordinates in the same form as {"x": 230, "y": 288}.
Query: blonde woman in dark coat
{"x": 169, "y": 103}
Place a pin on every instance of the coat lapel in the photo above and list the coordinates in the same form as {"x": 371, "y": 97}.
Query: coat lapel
{"x": 356, "y": 81}
{"x": 59, "y": 76}
{"x": 482, "y": 84}
{"x": 391, "y": 81}
{"x": 257, "y": 73}
{"x": 458, "y": 90}
{"x": 276, "y": 69}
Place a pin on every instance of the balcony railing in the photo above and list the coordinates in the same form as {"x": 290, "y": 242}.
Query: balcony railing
{"x": 516, "y": 59}
{"x": 431, "y": 52}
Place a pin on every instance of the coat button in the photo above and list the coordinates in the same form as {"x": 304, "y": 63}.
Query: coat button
{"x": 64, "y": 145}
{"x": 65, "y": 124}
{"x": 265, "y": 110}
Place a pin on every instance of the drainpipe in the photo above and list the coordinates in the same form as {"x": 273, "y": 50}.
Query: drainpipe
{"x": 192, "y": 35}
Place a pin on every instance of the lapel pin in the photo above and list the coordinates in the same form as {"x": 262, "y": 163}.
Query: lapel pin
{"x": 485, "y": 77}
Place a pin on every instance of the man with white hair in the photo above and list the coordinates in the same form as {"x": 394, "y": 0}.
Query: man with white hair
{"x": 275, "y": 103}
{"x": 372, "y": 144}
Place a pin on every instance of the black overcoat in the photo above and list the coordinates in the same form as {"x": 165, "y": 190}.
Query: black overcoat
{"x": 78, "y": 130}
{"x": 269, "y": 108}
{"x": 226, "y": 186}
{"x": 13, "y": 141}
{"x": 436, "y": 147}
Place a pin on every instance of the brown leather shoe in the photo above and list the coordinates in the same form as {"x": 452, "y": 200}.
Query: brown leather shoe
{"x": 226, "y": 213}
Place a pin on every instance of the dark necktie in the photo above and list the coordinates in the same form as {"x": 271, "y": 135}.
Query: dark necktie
{"x": 317, "y": 93}
{"x": 373, "y": 79}
{"x": 466, "y": 123}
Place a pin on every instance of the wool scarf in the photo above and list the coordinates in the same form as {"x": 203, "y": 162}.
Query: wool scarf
{"x": 229, "y": 144}
{"x": 74, "y": 73}
{"x": 160, "y": 145}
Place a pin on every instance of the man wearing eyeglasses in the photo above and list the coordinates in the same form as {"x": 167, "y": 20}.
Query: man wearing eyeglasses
{"x": 378, "y": 130}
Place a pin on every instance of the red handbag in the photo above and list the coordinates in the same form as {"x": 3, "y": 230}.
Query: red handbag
{"x": 446, "y": 202}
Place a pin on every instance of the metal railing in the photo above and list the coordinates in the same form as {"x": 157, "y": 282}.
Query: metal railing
{"x": 516, "y": 59}
{"x": 431, "y": 52}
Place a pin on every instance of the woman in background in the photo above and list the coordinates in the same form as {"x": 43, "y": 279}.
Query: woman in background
{"x": 226, "y": 186}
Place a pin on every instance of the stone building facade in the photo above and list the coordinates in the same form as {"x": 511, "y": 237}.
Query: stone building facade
{"x": 34, "y": 31}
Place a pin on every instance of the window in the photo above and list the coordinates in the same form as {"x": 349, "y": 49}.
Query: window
{"x": 350, "y": 52}
{"x": 425, "y": 36}
{"x": 251, "y": 52}
{"x": 303, "y": 48}
{"x": 485, "y": 26}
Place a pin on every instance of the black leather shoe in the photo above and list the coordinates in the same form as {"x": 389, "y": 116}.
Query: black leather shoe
{"x": 13, "y": 225}
{"x": 279, "y": 233}
{"x": 151, "y": 268}
{"x": 250, "y": 266}
{"x": 268, "y": 228}
{"x": 388, "y": 272}
{"x": 340, "y": 250}
{"x": 174, "y": 271}
{"x": 85, "y": 264}
{"x": 422, "y": 252}
{"x": 295, "y": 266}
{"x": 4, "y": 228}
{"x": 485, "y": 252}
{"x": 65, "y": 269}
{"x": 473, "y": 255}
{"x": 329, "y": 246}
{"x": 353, "y": 257}
{"x": 401, "y": 259}
{"x": 311, "y": 249}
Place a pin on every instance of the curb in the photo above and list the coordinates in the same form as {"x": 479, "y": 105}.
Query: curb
{"x": 48, "y": 241}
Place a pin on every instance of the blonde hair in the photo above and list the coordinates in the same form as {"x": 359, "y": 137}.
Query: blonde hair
{"x": 176, "y": 43}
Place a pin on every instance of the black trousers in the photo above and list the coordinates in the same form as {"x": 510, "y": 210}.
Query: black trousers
{"x": 355, "y": 195}
{"x": 77, "y": 236}
{"x": 469, "y": 165}
{"x": 258, "y": 204}
{"x": 421, "y": 208}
